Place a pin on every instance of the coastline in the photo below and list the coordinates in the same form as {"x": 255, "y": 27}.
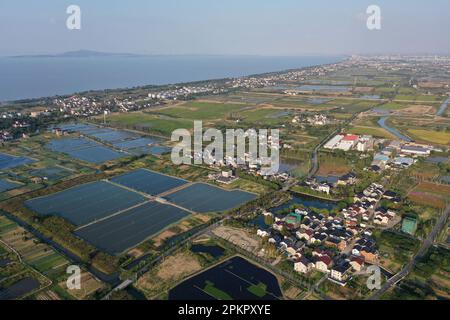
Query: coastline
{"x": 227, "y": 69}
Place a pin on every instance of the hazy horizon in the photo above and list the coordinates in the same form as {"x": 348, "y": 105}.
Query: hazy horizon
{"x": 201, "y": 27}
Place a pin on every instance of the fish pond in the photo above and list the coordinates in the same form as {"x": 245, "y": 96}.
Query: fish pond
{"x": 202, "y": 197}
{"x": 234, "y": 279}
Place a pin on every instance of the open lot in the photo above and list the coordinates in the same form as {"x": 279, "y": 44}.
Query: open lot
{"x": 118, "y": 233}
{"x": 201, "y": 197}
{"x": 86, "y": 203}
{"x": 149, "y": 182}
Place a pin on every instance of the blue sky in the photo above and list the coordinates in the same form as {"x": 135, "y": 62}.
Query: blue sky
{"x": 265, "y": 27}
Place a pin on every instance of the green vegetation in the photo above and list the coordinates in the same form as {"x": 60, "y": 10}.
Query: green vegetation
{"x": 258, "y": 290}
{"x": 216, "y": 293}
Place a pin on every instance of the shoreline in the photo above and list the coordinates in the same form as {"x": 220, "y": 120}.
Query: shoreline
{"x": 339, "y": 59}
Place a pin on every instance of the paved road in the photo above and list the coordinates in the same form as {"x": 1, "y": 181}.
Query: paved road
{"x": 426, "y": 244}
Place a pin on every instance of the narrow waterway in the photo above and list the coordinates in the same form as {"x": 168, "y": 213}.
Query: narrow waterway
{"x": 382, "y": 123}
{"x": 443, "y": 107}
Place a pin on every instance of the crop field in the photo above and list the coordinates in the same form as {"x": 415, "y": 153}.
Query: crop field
{"x": 201, "y": 110}
{"x": 373, "y": 131}
{"x": 8, "y": 161}
{"x": 234, "y": 279}
{"x": 150, "y": 123}
{"x": 201, "y": 197}
{"x": 121, "y": 232}
{"x": 6, "y": 185}
{"x": 437, "y": 137}
{"x": 430, "y": 194}
{"x": 84, "y": 149}
{"x": 86, "y": 203}
{"x": 149, "y": 182}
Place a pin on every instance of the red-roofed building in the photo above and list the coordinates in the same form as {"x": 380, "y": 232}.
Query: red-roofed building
{"x": 351, "y": 137}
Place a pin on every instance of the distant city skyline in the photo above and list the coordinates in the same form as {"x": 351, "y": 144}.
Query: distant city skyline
{"x": 202, "y": 27}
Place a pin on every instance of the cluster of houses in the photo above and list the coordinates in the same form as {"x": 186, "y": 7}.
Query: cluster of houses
{"x": 313, "y": 241}
{"x": 327, "y": 186}
{"x": 185, "y": 92}
{"x": 224, "y": 177}
{"x": 313, "y": 120}
{"x": 337, "y": 245}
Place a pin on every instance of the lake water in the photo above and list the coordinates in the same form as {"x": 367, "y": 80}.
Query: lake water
{"x": 234, "y": 279}
{"x": 307, "y": 201}
{"x": 32, "y": 77}
{"x": 214, "y": 251}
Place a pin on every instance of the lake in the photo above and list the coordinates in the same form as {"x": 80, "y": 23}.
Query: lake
{"x": 307, "y": 201}
{"x": 214, "y": 251}
{"x": 33, "y": 77}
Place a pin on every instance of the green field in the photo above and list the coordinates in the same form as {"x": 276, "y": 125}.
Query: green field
{"x": 149, "y": 123}
{"x": 201, "y": 110}
{"x": 437, "y": 137}
{"x": 376, "y": 132}
{"x": 259, "y": 290}
{"x": 216, "y": 293}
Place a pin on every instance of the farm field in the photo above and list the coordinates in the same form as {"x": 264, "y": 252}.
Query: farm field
{"x": 86, "y": 203}
{"x": 234, "y": 279}
{"x": 373, "y": 131}
{"x": 151, "y": 123}
{"x": 149, "y": 182}
{"x": 121, "y": 232}
{"x": 201, "y": 197}
{"x": 430, "y": 194}
{"x": 201, "y": 110}
{"x": 436, "y": 137}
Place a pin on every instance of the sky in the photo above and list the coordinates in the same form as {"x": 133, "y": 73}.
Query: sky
{"x": 226, "y": 27}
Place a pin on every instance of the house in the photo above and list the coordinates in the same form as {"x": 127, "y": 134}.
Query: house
{"x": 303, "y": 265}
{"x": 347, "y": 179}
{"x": 294, "y": 219}
{"x": 357, "y": 263}
{"x": 323, "y": 263}
{"x": 304, "y": 234}
{"x": 262, "y": 233}
{"x": 390, "y": 195}
{"x": 369, "y": 254}
{"x": 278, "y": 225}
{"x": 318, "y": 238}
{"x": 341, "y": 272}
